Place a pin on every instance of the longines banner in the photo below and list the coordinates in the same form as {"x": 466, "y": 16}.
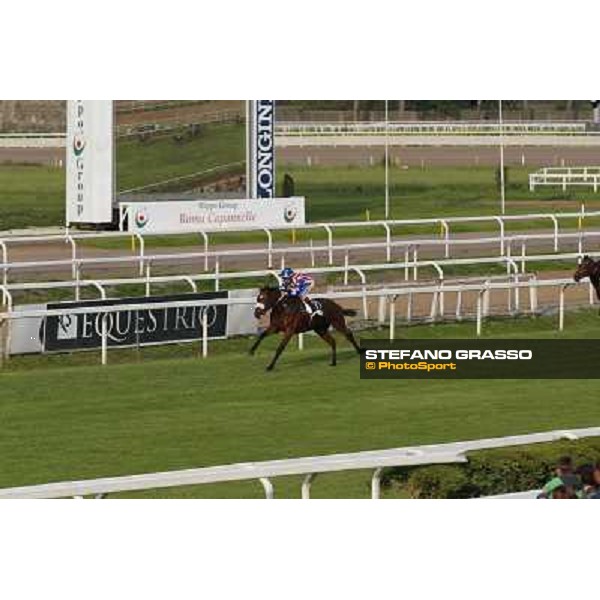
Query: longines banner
{"x": 89, "y": 161}
{"x": 134, "y": 327}
{"x": 213, "y": 215}
{"x": 480, "y": 359}
{"x": 262, "y": 148}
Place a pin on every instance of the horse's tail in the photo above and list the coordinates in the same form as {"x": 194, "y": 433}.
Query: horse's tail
{"x": 349, "y": 312}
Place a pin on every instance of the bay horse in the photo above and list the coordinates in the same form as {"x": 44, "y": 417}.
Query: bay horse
{"x": 289, "y": 318}
{"x": 588, "y": 267}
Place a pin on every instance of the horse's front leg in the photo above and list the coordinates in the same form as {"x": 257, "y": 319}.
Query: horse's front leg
{"x": 284, "y": 342}
{"x": 261, "y": 337}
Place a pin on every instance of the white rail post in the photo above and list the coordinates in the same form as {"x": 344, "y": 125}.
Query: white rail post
{"x": 479, "y": 303}
{"x": 104, "y": 351}
{"x": 376, "y": 484}
{"x": 533, "y": 294}
{"x": 306, "y": 485}
{"x": 591, "y": 293}
{"x": 77, "y": 280}
{"x": 501, "y": 223}
{"x": 409, "y": 304}
{"x": 329, "y": 242}
{"x": 216, "y": 274}
{"x": 555, "y": 223}
{"x": 4, "y": 262}
{"x": 392, "y": 316}
{"x": 204, "y": 331}
{"x": 434, "y": 302}
{"x": 486, "y": 299}
{"x": 415, "y": 261}
{"x": 406, "y": 261}
{"x": 523, "y": 256}
{"x": 446, "y": 238}
{"x": 268, "y": 487}
{"x": 388, "y": 242}
{"x": 300, "y": 341}
{"x": 70, "y": 239}
{"x": 381, "y": 309}
{"x": 561, "y": 308}
{"x": 312, "y": 254}
{"x": 142, "y": 252}
{"x": 205, "y": 237}
{"x": 148, "y": 271}
{"x": 269, "y": 247}
{"x": 458, "y": 305}
{"x": 346, "y": 268}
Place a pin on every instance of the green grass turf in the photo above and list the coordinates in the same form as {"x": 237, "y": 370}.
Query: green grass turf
{"x": 162, "y": 158}
{"x": 35, "y": 195}
{"x": 31, "y": 195}
{"x": 345, "y": 193}
{"x": 68, "y": 418}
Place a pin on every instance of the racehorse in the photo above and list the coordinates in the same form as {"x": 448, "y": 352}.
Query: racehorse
{"x": 290, "y": 318}
{"x": 589, "y": 267}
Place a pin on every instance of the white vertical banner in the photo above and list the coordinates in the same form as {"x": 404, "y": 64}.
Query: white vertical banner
{"x": 261, "y": 148}
{"x": 90, "y": 161}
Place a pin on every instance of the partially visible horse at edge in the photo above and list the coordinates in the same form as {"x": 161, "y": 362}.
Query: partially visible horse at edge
{"x": 290, "y": 318}
{"x": 588, "y": 267}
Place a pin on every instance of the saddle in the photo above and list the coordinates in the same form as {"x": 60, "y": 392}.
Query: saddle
{"x": 296, "y": 305}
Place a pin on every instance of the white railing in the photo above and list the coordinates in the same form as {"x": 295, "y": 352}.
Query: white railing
{"x": 309, "y": 467}
{"x": 387, "y": 296}
{"x": 565, "y": 177}
{"x": 504, "y": 240}
{"x": 428, "y": 128}
{"x": 528, "y": 495}
{"x": 32, "y": 140}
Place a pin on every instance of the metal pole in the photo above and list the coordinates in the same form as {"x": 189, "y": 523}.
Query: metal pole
{"x": 387, "y": 164}
{"x": 502, "y": 190}
{"x": 248, "y": 150}
{"x": 205, "y": 332}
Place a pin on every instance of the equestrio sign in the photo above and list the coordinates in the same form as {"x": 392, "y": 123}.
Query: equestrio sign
{"x": 261, "y": 129}
{"x": 89, "y": 161}
{"x": 212, "y": 215}
{"x": 133, "y": 327}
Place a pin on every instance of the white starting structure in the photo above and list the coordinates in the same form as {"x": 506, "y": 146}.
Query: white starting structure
{"x": 90, "y": 161}
{"x": 90, "y": 188}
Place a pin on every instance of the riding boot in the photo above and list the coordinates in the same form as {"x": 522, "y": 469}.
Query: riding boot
{"x": 309, "y": 309}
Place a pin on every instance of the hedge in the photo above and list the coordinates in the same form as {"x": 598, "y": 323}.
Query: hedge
{"x": 490, "y": 472}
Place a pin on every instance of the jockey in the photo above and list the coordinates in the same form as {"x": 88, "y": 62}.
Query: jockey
{"x": 298, "y": 285}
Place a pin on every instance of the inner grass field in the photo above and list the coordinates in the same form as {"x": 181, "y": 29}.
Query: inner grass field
{"x": 34, "y": 195}
{"x": 65, "y": 417}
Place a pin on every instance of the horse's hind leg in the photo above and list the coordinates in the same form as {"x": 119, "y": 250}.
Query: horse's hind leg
{"x": 340, "y": 325}
{"x": 261, "y": 337}
{"x": 284, "y": 342}
{"x": 329, "y": 339}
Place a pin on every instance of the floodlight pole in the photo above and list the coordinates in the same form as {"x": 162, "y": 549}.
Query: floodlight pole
{"x": 248, "y": 151}
{"x": 502, "y": 183}
{"x": 387, "y": 164}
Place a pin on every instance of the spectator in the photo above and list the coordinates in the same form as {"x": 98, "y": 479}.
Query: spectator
{"x": 596, "y": 476}
{"x": 589, "y": 485}
{"x": 566, "y": 471}
{"x": 556, "y": 489}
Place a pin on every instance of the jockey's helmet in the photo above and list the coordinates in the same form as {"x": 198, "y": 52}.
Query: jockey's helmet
{"x": 286, "y": 273}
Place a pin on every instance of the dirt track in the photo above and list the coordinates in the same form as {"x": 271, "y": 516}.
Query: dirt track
{"x": 534, "y": 156}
